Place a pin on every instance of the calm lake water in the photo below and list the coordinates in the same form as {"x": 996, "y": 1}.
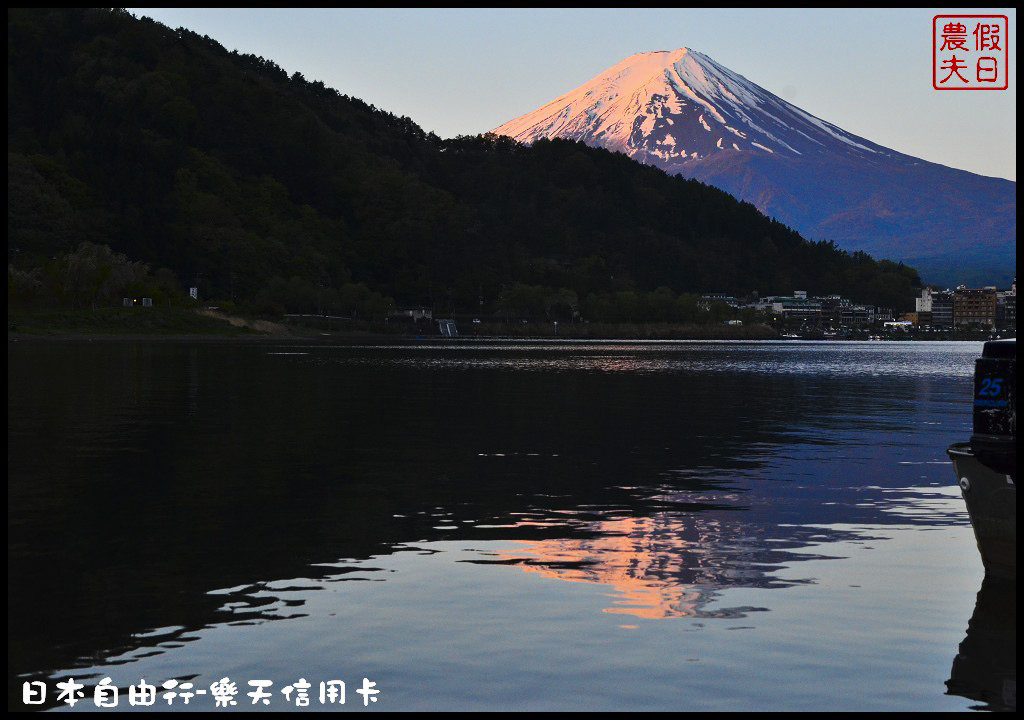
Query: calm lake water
{"x": 503, "y": 526}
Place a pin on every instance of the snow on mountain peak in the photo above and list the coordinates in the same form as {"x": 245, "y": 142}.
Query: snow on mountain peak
{"x": 672, "y": 107}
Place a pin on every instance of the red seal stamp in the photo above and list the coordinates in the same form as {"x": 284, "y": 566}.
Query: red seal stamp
{"x": 970, "y": 52}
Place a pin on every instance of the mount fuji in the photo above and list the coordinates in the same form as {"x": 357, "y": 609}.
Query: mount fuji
{"x": 684, "y": 113}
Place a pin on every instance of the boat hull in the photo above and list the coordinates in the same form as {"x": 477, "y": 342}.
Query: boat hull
{"x": 991, "y": 499}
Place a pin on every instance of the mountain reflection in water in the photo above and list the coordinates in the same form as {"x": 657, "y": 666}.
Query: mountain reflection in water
{"x": 159, "y": 491}
{"x": 663, "y": 566}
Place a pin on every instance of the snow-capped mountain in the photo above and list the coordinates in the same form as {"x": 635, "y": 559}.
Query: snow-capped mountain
{"x": 683, "y": 112}
{"x": 667, "y": 108}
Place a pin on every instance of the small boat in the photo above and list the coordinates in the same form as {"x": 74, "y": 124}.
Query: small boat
{"x": 986, "y": 466}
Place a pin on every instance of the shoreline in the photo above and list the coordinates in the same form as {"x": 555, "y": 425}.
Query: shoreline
{"x": 349, "y": 338}
{"x": 209, "y": 326}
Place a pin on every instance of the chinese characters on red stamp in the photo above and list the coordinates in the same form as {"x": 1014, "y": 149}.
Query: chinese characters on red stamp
{"x": 970, "y": 52}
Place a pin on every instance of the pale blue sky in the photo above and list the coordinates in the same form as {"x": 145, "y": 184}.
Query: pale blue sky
{"x": 466, "y": 71}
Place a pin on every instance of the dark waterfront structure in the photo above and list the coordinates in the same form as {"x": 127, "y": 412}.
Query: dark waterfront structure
{"x": 986, "y": 467}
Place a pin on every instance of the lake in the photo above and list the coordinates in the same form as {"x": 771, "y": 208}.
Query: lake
{"x": 489, "y": 525}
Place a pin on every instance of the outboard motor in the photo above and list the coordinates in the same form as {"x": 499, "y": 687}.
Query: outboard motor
{"x": 994, "y": 441}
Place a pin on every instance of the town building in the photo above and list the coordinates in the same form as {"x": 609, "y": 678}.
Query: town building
{"x": 1006, "y": 307}
{"x": 791, "y": 308}
{"x": 934, "y": 308}
{"x": 857, "y": 315}
{"x": 942, "y": 310}
{"x": 974, "y": 306}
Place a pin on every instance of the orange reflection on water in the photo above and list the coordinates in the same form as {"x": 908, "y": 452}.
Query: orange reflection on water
{"x": 649, "y": 563}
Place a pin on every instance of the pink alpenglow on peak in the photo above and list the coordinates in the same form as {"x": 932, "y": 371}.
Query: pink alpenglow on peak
{"x": 671, "y": 107}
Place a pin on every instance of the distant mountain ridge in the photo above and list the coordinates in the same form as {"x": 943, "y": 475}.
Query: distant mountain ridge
{"x": 685, "y": 113}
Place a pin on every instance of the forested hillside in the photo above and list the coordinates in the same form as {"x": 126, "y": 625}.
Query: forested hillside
{"x": 222, "y": 170}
